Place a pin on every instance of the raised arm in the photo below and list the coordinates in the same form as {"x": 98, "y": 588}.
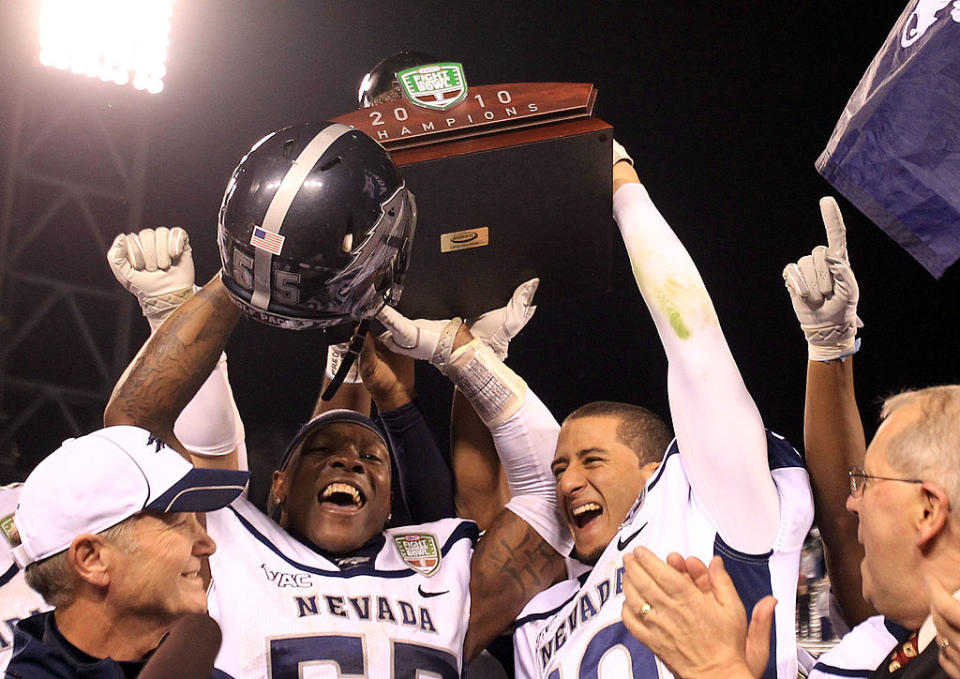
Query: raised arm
{"x": 156, "y": 266}
{"x": 719, "y": 430}
{"x": 424, "y": 476}
{"x": 824, "y": 293}
{"x": 166, "y": 373}
{"x": 520, "y": 553}
{"x": 352, "y": 395}
{"x": 481, "y": 486}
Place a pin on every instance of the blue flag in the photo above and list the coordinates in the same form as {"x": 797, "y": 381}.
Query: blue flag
{"x": 895, "y": 152}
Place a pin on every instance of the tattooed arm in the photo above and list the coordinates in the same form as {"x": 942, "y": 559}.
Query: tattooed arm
{"x": 510, "y": 565}
{"x": 171, "y": 366}
{"x": 520, "y": 553}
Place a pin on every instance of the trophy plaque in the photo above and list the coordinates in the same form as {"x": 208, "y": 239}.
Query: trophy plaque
{"x": 511, "y": 181}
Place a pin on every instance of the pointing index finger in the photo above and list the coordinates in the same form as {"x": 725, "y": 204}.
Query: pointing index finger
{"x": 836, "y": 231}
{"x": 523, "y": 295}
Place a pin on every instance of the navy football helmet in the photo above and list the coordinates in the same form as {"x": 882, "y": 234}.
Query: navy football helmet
{"x": 315, "y": 228}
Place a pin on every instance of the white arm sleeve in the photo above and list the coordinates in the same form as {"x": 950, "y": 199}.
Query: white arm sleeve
{"x": 210, "y": 425}
{"x": 719, "y": 430}
{"x": 524, "y": 433}
{"x": 526, "y": 443}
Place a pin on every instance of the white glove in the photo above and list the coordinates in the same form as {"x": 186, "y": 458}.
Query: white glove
{"x": 824, "y": 292}
{"x": 421, "y": 339}
{"x": 156, "y": 265}
{"x": 496, "y": 328}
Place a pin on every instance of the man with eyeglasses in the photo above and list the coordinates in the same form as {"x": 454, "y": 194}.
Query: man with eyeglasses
{"x": 859, "y": 478}
{"x": 911, "y": 543}
{"x": 885, "y": 524}
{"x": 902, "y": 498}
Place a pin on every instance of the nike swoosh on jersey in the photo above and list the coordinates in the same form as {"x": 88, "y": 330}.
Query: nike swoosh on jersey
{"x": 621, "y": 543}
{"x": 427, "y": 595}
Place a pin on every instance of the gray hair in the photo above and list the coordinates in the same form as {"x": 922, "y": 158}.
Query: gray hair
{"x": 929, "y": 447}
{"x": 54, "y": 578}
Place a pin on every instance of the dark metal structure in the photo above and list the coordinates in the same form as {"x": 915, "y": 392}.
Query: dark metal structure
{"x": 59, "y": 210}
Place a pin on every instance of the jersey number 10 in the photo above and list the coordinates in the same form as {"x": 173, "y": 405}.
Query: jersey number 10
{"x": 615, "y": 638}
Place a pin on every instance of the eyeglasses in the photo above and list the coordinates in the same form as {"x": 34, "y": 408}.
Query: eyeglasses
{"x": 858, "y": 480}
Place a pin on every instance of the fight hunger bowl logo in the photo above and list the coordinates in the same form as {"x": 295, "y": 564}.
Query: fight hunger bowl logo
{"x": 420, "y": 551}
{"x": 434, "y": 86}
{"x": 9, "y": 529}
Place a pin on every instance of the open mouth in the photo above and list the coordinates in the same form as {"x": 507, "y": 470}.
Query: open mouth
{"x": 342, "y": 495}
{"x": 585, "y": 513}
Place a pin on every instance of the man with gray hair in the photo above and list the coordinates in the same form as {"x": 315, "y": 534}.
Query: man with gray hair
{"x": 911, "y": 542}
{"x": 109, "y": 535}
{"x": 902, "y": 497}
{"x": 897, "y": 537}
{"x": 930, "y": 445}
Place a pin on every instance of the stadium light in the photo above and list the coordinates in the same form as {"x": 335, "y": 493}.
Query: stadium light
{"x": 119, "y": 41}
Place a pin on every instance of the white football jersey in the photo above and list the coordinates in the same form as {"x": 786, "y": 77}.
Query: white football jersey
{"x": 17, "y": 600}
{"x": 861, "y": 650}
{"x": 574, "y": 629}
{"x": 399, "y": 608}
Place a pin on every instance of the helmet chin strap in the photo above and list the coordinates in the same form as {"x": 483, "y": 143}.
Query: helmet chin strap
{"x": 353, "y": 353}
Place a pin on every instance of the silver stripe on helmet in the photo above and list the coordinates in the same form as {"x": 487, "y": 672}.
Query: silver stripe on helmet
{"x": 280, "y": 205}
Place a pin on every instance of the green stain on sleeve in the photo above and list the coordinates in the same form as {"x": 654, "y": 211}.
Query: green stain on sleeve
{"x": 676, "y": 322}
{"x": 682, "y": 299}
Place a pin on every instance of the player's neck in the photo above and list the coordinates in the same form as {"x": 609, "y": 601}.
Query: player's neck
{"x": 370, "y": 549}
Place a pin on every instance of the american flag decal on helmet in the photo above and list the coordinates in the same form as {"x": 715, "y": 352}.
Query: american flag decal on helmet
{"x": 266, "y": 240}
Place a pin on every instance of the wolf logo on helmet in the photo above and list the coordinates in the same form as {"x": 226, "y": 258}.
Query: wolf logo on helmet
{"x": 315, "y": 228}
{"x": 368, "y": 258}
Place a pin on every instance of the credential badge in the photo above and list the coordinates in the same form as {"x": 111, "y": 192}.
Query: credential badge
{"x": 434, "y": 86}
{"x": 420, "y": 551}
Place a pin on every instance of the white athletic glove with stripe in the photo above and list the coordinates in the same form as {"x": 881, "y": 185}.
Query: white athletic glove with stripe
{"x": 419, "y": 339}
{"x": 156, "y": 265}
{"x": 497, "y": 327}
{"x": 824, "y": 292}
{"x": 494, "y": 391}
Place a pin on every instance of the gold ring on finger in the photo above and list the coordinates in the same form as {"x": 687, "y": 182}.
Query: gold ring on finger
{"x": 644, "y": 611}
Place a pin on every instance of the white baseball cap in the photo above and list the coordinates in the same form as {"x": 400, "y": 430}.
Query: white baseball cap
{"x": 94, "y": 482}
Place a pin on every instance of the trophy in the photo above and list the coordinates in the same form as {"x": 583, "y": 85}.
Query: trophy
{"x": 511, "y": 181}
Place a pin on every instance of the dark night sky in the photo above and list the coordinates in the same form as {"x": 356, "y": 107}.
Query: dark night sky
{"x": 724, "y": 106}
